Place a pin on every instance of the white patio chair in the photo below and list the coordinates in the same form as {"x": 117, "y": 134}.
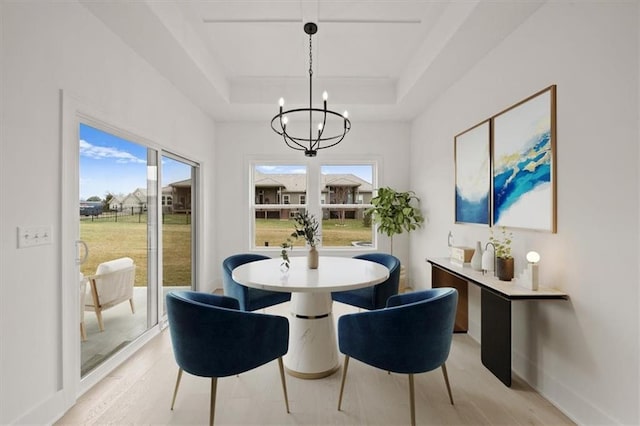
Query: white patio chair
{"x": 111, "y": 285}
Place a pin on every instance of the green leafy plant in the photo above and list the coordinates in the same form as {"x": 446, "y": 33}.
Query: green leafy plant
{"x": 502, "y": 243}
{"x": 396, "y": 212}
{"x": 306, "y": 226}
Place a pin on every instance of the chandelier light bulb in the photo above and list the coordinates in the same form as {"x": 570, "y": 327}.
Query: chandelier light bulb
{"x": 281, "y": 102}
{"x": 346, "y": 114}
{"x": 319, "y": 126}
{"x": 285, "y": 120}
{"x": 325, "y": 95}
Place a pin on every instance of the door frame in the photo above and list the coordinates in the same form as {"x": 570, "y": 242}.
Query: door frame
{"x": 74, "y": 111}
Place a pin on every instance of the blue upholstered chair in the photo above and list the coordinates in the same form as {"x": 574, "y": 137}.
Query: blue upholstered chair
{"x": 411, "y": 335}
{"x": 374, "y": 297}
{"x": 250, "y": 299}
{"x": 211, "y": 337}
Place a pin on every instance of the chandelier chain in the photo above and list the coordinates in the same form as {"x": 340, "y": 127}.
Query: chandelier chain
{"x": 310, "y": 57}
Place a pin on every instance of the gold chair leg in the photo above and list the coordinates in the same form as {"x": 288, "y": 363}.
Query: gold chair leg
{"x": 175, "y": 391}
{"x": 446, "y": 381}
{"x": 214, "y": 383}
{"x": 344, "y": 377}
{"x": 284, "y": 383}
{"x": 83, "y": 332}
{"x": 412, "y": 400}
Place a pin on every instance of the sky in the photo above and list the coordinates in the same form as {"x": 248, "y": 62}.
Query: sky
{"x": 364, "y": 171}
{"x": 109, "y": 164}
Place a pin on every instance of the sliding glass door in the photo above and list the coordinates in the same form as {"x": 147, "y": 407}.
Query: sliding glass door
{"x": 178, "y": 214}
{"x": 118, "y": 224}
{"x": 136, "y": 219}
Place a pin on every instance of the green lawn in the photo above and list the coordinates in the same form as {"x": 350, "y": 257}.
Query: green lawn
{"x": 108, "y": 239}
{"x": 334, "y": 233}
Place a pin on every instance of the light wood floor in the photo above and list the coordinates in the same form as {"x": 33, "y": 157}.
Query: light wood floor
{"x": 139, "y": 392}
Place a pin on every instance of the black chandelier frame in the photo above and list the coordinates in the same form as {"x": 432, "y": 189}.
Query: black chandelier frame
{"x": 310, "y": 145}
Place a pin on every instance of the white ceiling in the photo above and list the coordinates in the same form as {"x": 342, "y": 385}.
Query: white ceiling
{"x": 380, "y": 59}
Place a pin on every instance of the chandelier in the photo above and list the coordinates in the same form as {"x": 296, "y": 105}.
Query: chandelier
{"x": 310, "y": 145}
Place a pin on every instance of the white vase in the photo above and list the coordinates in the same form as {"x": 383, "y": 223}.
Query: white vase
{"x": 488, "y": 260}
{"x": 476, "y": 260}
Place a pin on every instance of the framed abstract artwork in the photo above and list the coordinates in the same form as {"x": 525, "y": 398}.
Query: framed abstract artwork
{"x": 473, "y": 175}
{"x": 524, "y": 181}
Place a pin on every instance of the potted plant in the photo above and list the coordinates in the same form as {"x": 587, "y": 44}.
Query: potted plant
{"x": 395, "y": 212}
{"x": 504, "y": 260}
{"x": 306, "y": 226}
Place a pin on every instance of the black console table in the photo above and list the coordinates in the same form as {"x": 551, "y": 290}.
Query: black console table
{"x": 495, "y": 305}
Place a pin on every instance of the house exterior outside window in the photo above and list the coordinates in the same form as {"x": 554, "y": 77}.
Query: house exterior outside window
{"x": 343, "y": 191}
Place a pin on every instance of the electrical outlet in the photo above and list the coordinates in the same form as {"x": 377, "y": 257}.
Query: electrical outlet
{"x": 31, "y": 236}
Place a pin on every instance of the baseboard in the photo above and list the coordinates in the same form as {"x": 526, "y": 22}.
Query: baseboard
{"x": 53, "y": 407}
{"x": 572, "y": 405}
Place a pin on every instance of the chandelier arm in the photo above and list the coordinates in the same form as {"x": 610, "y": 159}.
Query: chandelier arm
{"x": 347, "y": 124}
{"x": 335, "y": 143}
{"x": 320, "y": 132}
{"x": 286, "y": 138}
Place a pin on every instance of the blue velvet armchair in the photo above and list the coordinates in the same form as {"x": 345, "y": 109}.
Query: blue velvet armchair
{"x": 374, "y": 297}
{"x": 411, "y": 335}
{"x": 250, "y": 299}
{"x": 212, "y": 338}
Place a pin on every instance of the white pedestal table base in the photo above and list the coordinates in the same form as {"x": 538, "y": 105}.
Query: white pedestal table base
{"x": 313, "y": 351}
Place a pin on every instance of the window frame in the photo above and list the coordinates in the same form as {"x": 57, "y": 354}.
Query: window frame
{"x": 354, "y": 205}
{"x": 313, "y": 197}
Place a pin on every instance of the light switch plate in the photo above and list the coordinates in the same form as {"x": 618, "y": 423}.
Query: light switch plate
{"x": 31, "y": 236}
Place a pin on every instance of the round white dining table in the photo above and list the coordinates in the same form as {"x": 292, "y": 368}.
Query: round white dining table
{"x": 313, "y": 351}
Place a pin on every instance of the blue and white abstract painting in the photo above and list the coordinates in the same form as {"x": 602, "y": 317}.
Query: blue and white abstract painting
{"x": 473, "y": 175}
{"x": 523, "y": 190}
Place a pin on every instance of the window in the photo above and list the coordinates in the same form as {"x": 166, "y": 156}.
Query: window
{"x": 348, "y": 190}
{"x": 340, "y": 199}
{"x": 272, "y": 209}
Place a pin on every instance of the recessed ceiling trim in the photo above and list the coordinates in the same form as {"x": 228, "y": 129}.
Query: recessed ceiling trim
{"x": 250, "y": 21}
{"x": 296, "y": 21}
{"x": 371, "y": 21}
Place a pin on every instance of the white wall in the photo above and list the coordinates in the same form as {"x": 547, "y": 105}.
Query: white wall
{"x": 47, "y": 47}
{"x": 240, "y": 142}
{"x": 582, "y": 354}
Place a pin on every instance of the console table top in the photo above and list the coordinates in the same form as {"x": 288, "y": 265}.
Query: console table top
{"x": 507, "y": 289}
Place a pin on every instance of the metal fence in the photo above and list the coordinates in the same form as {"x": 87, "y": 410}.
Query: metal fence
{"x": 136, "y": 215}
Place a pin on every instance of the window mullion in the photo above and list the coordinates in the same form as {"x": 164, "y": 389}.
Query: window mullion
{"x": 313, "y": 193}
